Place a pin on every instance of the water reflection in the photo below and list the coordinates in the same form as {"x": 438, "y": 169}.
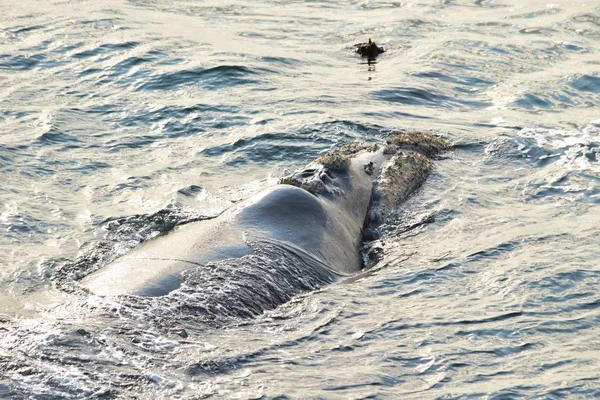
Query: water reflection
{"x": 370, "y": 66}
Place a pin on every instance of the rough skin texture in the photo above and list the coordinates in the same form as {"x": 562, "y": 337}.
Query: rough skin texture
{"x": 424, "y": 143}
{"x": 290, "y": 180}
{"x": 407, "y": 169}
{"x": 312, "y": 180}
{"x": 335, "y": 159}
{"x": 339, "y": 159}
{"x": 405, "y": 173}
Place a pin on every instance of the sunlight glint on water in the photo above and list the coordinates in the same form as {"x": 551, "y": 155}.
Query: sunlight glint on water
{"x": 122, "y": 119}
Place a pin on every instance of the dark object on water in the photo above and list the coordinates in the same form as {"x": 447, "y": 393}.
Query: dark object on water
{"x": 369, "y": 50}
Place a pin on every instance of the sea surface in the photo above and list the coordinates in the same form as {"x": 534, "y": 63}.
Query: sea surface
{"x": 121, "y": 119}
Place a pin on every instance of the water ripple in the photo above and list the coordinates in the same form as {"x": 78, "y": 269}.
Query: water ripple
{"x": 586, "y": 83}
{"x": 209, "y": 78}
{"x": 105, "y": 48}
{"x": 425, "y": 97}
{"x": 121, "y": 121}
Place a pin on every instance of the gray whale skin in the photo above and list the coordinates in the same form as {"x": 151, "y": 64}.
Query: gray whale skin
{"x": 319, "y": 212}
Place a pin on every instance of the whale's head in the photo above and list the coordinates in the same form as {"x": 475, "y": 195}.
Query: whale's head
{"x": 396, "y": 166}
{"x": 340, "y": 170}
{"x": 361, "y": 183}
{"x": 360, "y": 176}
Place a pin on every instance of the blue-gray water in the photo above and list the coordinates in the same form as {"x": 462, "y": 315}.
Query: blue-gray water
{"x": 119, "y": 119}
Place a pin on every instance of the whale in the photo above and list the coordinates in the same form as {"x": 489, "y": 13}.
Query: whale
{"x": 318, "y": 215}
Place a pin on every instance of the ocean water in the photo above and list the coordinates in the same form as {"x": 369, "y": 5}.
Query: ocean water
{"x": 121, "y": 119}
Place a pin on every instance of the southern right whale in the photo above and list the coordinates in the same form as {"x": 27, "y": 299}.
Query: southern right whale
{"x": 315, "y": 217}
